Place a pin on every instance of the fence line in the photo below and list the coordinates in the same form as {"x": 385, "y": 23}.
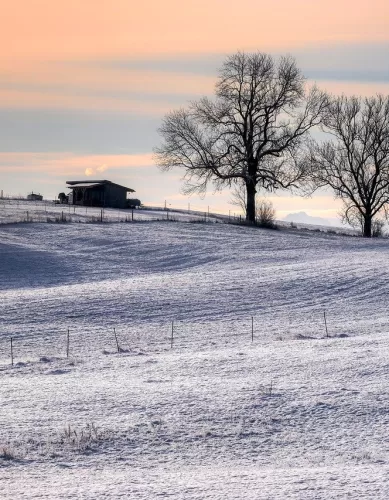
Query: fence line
{"x": 20, "y": 211}
{"x": 176, "y": 336}
{"x": 12, "y": 211}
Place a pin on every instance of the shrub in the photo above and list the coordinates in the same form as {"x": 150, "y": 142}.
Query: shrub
{"x": 378, "y": 228}
{"x": 265, "y": 214}
{"x": 7, "y": 453}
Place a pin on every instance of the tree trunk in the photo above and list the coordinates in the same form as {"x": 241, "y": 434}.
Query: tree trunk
{"x": 367, "y": 225}
{"x": 250, "y": 201}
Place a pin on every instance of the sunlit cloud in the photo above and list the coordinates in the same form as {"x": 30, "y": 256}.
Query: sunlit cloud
{"x": 15, "y": 99}
{"x": 54, "y": 164}
{"x": 90, "y": 171}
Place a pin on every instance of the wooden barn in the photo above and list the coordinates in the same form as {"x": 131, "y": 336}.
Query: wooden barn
{"x": 34, "y": 197}
{"x": 98, "y": 194}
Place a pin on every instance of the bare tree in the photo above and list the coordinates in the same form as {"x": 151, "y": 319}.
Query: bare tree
{"x": 355, "y": 163}
{"x": 238, "y": 197}
{"x": 252, "y": 132}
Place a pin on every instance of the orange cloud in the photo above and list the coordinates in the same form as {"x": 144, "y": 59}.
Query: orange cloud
{"x": 55, "y": 164}
{"x": 16, "y": 99}
{"x": 91, "y": 171}
{"x": 87, "y": 87}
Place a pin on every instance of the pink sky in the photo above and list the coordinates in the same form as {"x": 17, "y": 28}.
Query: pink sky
{"x": 63, "y": 63}
{"x": 42, "y": 30}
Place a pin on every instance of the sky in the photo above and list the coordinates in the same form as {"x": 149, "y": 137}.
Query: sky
{"x": 84, "y": 85}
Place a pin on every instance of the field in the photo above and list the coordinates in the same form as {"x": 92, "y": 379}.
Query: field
{"x": 227, "y": 384}
{"x": 21, "y": 210}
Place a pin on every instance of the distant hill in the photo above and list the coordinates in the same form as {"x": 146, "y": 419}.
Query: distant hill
{"x": 304, "y": 218}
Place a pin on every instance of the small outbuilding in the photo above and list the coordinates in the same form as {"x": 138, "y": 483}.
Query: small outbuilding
{"x": 34, "y": 197}
{"x": 98, "y": 194}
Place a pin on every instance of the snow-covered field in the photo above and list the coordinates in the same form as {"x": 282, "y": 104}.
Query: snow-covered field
{"x": 215, "y": 413}
{"x": 21, "y": 210}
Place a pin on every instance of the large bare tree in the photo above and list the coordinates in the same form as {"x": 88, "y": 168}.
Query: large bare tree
{"x": 355, "y": 163}
{"x": 252, "y": 132}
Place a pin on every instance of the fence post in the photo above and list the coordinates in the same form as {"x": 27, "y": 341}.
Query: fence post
{"x": 116, "y": 338}
{"x": 12, "y": 352}
{"x": 62, "y": 216}
{"x": 101, "y": 216}
{"x": 325, "y": 323}
{"x": 67, "y": 343}
{"x": 27, "y": 215}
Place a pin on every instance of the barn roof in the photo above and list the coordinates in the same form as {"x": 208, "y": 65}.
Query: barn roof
{"x": 90, "y": 184}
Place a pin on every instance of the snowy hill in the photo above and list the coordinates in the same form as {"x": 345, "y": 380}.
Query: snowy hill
{"x": 249, "y": 399}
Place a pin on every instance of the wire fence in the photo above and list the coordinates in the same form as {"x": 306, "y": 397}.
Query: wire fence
{"x": 30, "y": 343}
{"x": 23, "y": 211}
{"x": 13, "y": 211}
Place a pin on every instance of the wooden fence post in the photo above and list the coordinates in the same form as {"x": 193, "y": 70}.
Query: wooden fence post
{"x": 67, "y": 343}
{"x": 325, "y": 323}
{"x": 116, "y": 338}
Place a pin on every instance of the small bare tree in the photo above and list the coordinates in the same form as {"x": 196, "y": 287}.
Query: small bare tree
{"x": 355, "y": 163}
{"x": 238, "y": 197}
{"x": 253, "y": 132}
{"x": 266, "y": 214}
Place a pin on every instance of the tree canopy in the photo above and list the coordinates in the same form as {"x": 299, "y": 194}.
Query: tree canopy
{"x": 253, "y": 131}
{"x": 355, "y": 162}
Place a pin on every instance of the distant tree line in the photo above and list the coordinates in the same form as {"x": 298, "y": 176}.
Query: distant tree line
{"x": 255, "y": 134}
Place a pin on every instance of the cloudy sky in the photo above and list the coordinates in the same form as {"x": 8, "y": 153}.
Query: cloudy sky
{"x": 84, "y": 84}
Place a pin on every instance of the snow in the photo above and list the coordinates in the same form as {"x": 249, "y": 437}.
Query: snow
{"x": 291, "y": 414}
{"x": 15, "y": 210}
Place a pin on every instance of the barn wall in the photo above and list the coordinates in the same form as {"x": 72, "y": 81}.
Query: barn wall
{"x": 107, "y": 195}
{"x": 115, "y": 196}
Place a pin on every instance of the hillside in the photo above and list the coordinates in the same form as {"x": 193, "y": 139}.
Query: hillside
{"x": 291, "y": 414}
